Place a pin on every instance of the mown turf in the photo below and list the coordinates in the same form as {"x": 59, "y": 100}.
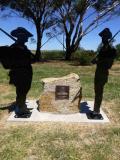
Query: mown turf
{"x": 60, "y": 141}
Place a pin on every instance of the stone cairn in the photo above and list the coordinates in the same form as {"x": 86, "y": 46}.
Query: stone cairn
{"x": 61, "y": 95}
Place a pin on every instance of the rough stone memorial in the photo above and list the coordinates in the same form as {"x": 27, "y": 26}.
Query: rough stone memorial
{"x": 61, "y": 95}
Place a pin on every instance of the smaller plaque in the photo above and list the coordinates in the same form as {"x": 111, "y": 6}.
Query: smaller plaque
{"x": 61, "y": 92}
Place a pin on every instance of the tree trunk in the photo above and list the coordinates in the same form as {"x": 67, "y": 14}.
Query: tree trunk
{"x": 39, "y": 39}
{"x": 68, "y": 48}
{"x": 68, "y": 54}
{"x": 71, "y": 48}
{"x": 38, "y": 52}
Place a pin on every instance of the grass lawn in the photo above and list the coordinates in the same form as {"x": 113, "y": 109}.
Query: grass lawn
{"x": 60, "y": 141}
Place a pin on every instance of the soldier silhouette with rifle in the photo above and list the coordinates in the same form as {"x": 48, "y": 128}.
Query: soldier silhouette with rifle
{"x": 18, "y": 59}
{"x": 103, "y": 61}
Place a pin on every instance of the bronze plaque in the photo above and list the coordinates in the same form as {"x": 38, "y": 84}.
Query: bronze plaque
{"x": 61, "y": 92}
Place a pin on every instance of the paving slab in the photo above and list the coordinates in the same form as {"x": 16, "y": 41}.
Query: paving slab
{"x": 80, "y": 117}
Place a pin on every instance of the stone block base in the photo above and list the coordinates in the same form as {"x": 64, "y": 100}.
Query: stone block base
{"x": 47, "y": 103}
{"x": 68, "y": 101}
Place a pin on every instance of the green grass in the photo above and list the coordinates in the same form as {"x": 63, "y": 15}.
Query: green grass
{"x": 59, "y": 144}
{"x": 59, "y": 141}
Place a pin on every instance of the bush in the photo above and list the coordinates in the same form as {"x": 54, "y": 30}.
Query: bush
{"x": 53, "y": 55}
{"x": 85, "y": 59}
{"x": 84, "y": 56}
{"x": 118, "y": 56}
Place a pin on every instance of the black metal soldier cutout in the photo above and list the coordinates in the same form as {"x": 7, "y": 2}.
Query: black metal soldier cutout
{"x": 21, "y": 73}
{"x": 103, "y": 61}
{"x": 19, "y": 60}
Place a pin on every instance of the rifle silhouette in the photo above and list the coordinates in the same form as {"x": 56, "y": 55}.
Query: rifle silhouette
{"x": 8, "y": 34}
{"x": 6, "y": 57}
{"x": 95, "y": 58}
{"x": 15, "y": 39}
{"x": 114, "y": 36}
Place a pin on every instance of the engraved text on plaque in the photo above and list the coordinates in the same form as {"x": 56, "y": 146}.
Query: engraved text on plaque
{"x": 61, "y": 92}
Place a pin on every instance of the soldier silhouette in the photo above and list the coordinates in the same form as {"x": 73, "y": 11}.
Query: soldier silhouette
{"x": 21, "y": 70}
{"x": 103, "y": 61}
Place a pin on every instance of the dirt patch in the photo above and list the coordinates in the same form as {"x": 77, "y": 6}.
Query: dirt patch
{"x": 113, "y": 112}
{"x": 116, "y": 65}
{"x": 3, "y": 119}
{"x": 4, "y": 88}
{"x": 6, "y": 91}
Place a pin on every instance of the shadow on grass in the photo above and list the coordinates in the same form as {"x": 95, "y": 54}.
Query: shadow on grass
{"x": 84, "y": 108}
{"x": 74, "y": 63}
{"x": 10, "y": 107}
{"x": 77, "y": 63}
{"x": 50, "y": 60}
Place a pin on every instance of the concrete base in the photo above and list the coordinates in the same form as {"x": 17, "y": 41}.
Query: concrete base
{"x": 80, "y": 117}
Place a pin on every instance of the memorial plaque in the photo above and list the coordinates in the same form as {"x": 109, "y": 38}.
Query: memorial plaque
{"x": 61, "y": 92}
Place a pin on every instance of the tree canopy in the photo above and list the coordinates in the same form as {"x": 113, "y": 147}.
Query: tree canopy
{"x": 74, "y": 18}
{"x": 38, "y": 11}
{"x": 73, "y": 15}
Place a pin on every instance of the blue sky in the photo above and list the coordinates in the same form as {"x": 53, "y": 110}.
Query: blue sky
{"x": 90, "y": 41}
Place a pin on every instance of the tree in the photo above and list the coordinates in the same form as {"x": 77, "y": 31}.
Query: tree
{"x": 69, "y": 16}
{"x": 38, "y": 11}
{"x": 118, "y": 47}
{"x": 118, "y": 51}
{"x": 71, "y": 19}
